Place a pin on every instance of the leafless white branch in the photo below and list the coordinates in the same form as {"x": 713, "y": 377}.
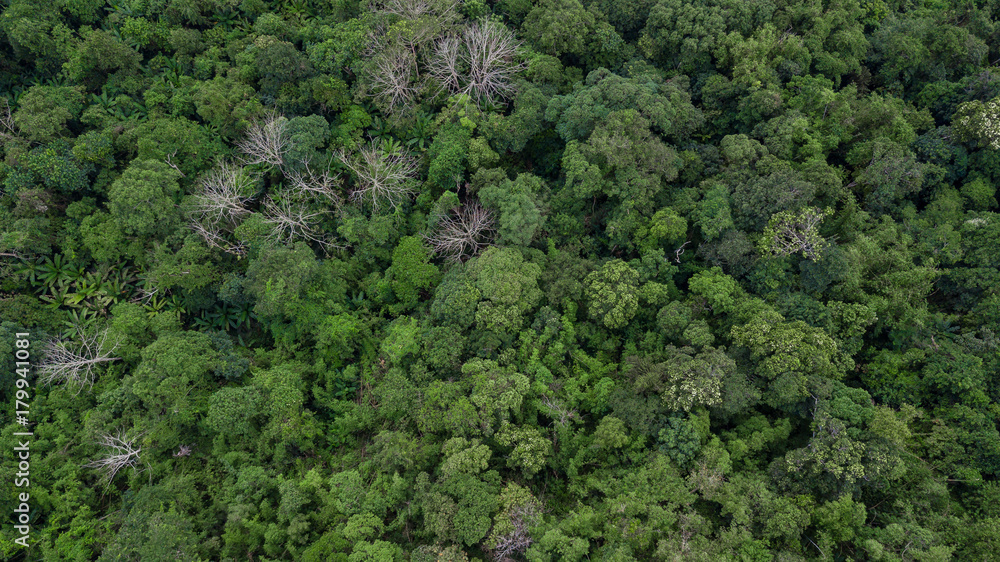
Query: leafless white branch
{"x": 212, "y": 234}
{"x": 406, "y": 9}
{"x": 220, "y": 205}
{"x": 679, "y": 251}
{"x": 444, "y": 64}
{"x": 309, "y": 182}
{"x": 481, "y": 63}
{"x": 463, "y": 233}
{"x": 145, "y": 294}
{"x": 174, "y": 166}
{"x": 392, "y": 76}
{"x": 489, "y": 53}
{"x": 8, "y": 129}
{"x": 266, "y": 141}
{"x": 122, "y": 452}
{"x": 517, "y": 540}
{"x": 413, "y": 9}
{"x": 293, "y": 221}
{"x": 75, "y": 362}
{"x": 381, "y": 177}
{"x": 558, "y": 411}
{"x": 223, "y": 194}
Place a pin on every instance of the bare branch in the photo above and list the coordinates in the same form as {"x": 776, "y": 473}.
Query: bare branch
{"x": 8, "y": 129}
{"x": 381, "y": 177}
{"x": 75, "y": 363}
{"x": 463, "y": 233}
{"x": 266, "y": 141}
{"x": 293, "y": 221}
{"x": 213, "y": 236}
{"x": 413, "y": 9}
{"x": 392, "y": 75}
{"x": 223, "y": 194}
{"x": 444, "y": 64}
{"x": 220, "y": 205}
{"x": 481, "y": 63}
{"x": 407, "y": 9}
{"x": 174, "y": 166}
{"x": 517, "y": 539}
{"x": 679, "y": 251}
{"x": 311, "y": 183}
{"x": 489, "y": 53}
{"x": 558, "y": 410}
{"x": 122, "y": 452}
{"x": 145, "y": 294}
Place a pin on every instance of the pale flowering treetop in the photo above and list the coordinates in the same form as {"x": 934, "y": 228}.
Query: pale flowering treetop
{"x": 790, "y": 232}
{"x": 979, "y": 121}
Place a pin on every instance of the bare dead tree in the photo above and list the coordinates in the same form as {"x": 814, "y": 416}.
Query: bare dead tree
{"x": 220, "y": 205}
{"x": 687, "y": 523}
{"x": 490, "y": 50}
{"x": 706, "y": 480}
{"x": 392, "y": 75}
{"x": 444, "y": 65}
{"x": 210, "y": 233}
{"x": 481, "y": 63}
{"x": 74, "y": 363}
{"x": 381, "y": 177}
{"x": 316, "y": 184}
{"x": 517, "y": 538}
{"x": 214, "y": 236}
{"x": 463, "y": 233}
{"x": 184, "y": 451}
{"x": 406, "y": 9}
{"x": 427, "y": 19}
{"x": 223, "y": 194}
{"x": 266, "y": 141}
{"x": 413, "y": 9}
{"x": 560, "y": 413}
{"x": 121, "y": 452}
{"x": 293, "y": 221}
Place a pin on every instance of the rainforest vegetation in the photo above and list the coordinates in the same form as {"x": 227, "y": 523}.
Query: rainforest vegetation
{"x": 546, "y": 280}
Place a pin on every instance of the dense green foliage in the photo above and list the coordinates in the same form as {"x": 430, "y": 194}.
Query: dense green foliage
{"x": 518, "y": 279}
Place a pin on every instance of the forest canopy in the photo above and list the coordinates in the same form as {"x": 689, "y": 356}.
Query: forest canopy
{"x": 415, "y": 280}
